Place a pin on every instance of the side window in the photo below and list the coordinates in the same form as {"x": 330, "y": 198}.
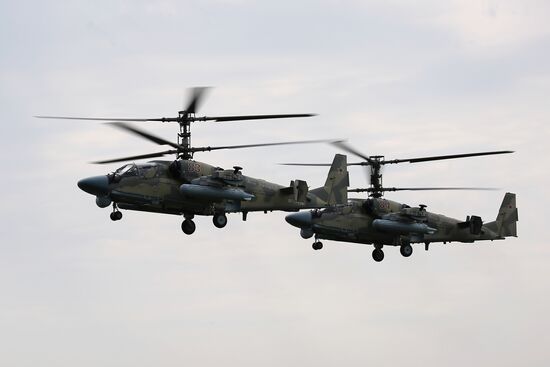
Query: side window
{"x": 149, "y": 172}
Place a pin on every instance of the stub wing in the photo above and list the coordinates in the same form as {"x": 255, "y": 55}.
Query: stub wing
{"x": 203, "y": 192}
{"x": 402, "y": 228}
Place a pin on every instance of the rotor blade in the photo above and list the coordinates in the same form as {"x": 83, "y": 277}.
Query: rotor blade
{"x": 251, "y": 117}
{"x": 451, "y": 156}
{"x": 146, "y": 135}
{"x": 136, "y": 157}
{"x": 196, "y": 99}
{"x": 193, "y": 106}
{"x": 162, "y": 119}
{"x": 207, "y": 149}
{"x": 320, "y": 164}
{"x": 344, "y": 146}
{"x": 306, "y": 164}
{"x": 370, "y": 189}
{"x": 439, "y": 188}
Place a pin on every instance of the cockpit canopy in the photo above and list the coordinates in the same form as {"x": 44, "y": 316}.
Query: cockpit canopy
{"x": 127, "y": 170}
{"x": 145, "y": 170}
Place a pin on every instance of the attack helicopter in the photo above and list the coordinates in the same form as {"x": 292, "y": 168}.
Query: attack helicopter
{"x": 381, "y": 222}
{"x": 187, "y": 187}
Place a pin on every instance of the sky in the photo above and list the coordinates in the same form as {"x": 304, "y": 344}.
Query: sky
{"x": 395, "y": 78}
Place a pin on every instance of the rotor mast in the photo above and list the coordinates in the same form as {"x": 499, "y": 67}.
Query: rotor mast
{"x": 184, "y": 135}
{"x": 376, "y": 176}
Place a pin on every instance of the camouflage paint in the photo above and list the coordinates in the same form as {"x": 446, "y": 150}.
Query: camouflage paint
{"x": 353, "y": 223}
{"x": 155, "y": 187}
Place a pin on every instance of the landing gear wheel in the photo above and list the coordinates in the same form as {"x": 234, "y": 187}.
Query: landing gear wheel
{"x": 378, "y": 255}
{"x": 188, "y": 226}
{"x": 406, "y": 250}
{"x": 115, "y": 216}
{"x": 219, "y": 220}
{"x": 317, "y": 245}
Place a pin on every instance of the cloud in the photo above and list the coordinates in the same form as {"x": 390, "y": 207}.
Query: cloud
{"x": 396, "y": 78}
{"x": 496, "y": 24}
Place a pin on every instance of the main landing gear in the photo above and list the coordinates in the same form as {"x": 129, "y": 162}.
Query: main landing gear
{"x": 188, "y": 226}
{"x": 378, "y": 254}
{"x": 116, "y": 214}
{"x": 219, "y": 220}
{"x": 406, "y": 250}
{"x": 405, "y": 247}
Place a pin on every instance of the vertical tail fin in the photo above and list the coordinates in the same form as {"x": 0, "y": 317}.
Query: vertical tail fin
{"x": 335, "y": 190}
{"x": 505, "y": 224}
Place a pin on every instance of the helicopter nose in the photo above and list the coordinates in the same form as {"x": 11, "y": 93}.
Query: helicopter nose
{"x": 96, "y": 185}
{"x": 300, "y": 219}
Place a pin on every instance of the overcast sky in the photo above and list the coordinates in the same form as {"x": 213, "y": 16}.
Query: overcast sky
{"x": 397, "y": 78}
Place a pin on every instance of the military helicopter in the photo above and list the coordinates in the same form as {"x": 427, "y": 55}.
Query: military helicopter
{"x": 187, "y": 187}
{"x": 381, "y": 222}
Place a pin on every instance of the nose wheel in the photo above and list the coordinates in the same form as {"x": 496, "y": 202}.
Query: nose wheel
{"x": 116, "y": 214}
{"x": 317, "y": 245}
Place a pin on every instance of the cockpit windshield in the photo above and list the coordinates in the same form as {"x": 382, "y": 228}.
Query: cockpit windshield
{"x": 331, "y": 209}
{"x": 127, "y": 170}
{"x": 146, "y": 171}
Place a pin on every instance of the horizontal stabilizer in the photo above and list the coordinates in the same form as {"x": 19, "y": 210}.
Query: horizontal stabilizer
{"x": 298, "y": 189}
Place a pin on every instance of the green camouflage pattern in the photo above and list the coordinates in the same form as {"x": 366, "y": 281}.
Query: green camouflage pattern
{"x": 155, "y": 187}
{"x": 354, "y": 222}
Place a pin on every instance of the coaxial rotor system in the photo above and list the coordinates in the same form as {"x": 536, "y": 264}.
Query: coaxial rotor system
{"x": 183, "y": 148}
{"x": 376, "y": 162}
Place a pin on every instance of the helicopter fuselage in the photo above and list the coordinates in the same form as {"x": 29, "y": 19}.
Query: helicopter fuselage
{"x": 156, "y": 187}
{"x": 382, "y": 222}
{"x": 189, "y": 188}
